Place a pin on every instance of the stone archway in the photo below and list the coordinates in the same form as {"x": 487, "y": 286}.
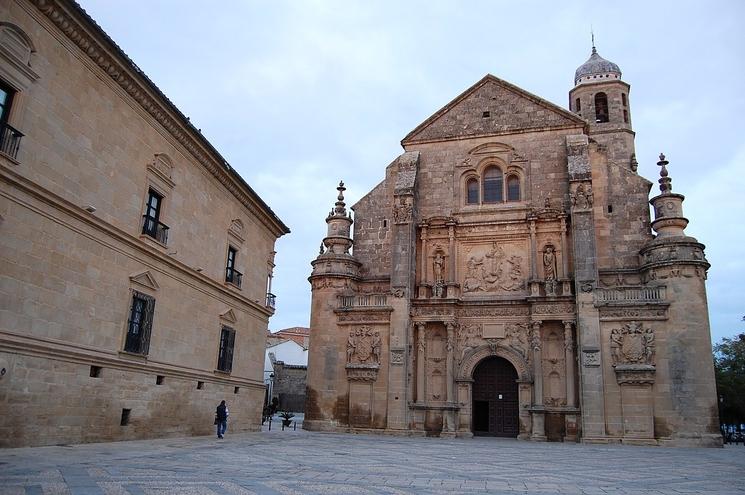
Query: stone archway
{"x": 465, "y": 383}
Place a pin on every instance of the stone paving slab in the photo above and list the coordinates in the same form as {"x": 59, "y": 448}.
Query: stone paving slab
{"x": 299, "y": 462}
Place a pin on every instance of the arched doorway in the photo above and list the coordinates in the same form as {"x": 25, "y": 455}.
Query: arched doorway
{"x": 495, "y": 398}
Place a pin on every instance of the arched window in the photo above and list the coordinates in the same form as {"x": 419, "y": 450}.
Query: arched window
{"x": 601, "y": 107}
{"x": 472, "y": 192}
{"x": 493, "y": 184}
{"x": 513, "y": 188}
{"x": 577, "y": 105}
{"x": 623, "y": 99}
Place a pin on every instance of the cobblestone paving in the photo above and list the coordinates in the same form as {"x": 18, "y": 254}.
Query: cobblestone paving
{"x": 299, "y": 462}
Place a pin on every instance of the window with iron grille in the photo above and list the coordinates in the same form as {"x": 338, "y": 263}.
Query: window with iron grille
{"x": 140, "y": 323}
{"x": 227, "y": 343}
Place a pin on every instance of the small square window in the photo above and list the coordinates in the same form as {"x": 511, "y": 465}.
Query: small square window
{"x": 200, "y": 385}
{"x": 95, "y": 372}
{"x": 236, "y": 390}
{"x": 159, "y": 380}
{"x": 486, "y": 114}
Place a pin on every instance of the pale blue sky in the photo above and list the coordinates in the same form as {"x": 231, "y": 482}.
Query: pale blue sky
{"x": 298, "y": 95}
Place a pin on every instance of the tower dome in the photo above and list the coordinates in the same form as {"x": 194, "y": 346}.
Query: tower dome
{"x": 596, "y": 68}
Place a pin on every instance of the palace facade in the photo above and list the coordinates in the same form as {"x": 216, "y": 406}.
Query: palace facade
{"x": 135, "y": 263}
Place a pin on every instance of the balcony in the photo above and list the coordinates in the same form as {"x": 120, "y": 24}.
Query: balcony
{"x": 233, "y": 276}
{"x": 10, "y": 140}
{"x": 629, "y": 295}
{"x": 153, "y": 228}
{"x": 271, "y": 300}
{"x": 363, "y": 301}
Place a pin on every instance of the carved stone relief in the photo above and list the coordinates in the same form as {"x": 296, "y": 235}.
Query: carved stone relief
{"x": 402, "y": 212}
{"x": 590, "y": 358}
{"x": 493, "y": 271}
{"x": 582, "y": 197}
{"x": 397, "y": 356}
{"x": 632, "y": 344}
{"x": 468, "y": 336}
{"x": 363, "y": 346}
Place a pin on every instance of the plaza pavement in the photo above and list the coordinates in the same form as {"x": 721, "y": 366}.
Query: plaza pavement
{"x": 299, "y": 462}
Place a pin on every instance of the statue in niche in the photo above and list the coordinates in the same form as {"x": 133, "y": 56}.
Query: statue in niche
{"x": 549, "y": 270}
{"x": 439, "y": 266}
{"x": 632, "y": 344}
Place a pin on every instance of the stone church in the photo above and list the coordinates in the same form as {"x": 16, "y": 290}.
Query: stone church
{"x": 506, "y": 279}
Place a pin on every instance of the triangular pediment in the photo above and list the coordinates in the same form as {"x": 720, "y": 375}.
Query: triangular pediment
{"x": 492, "y": 107}
{"x": 145, "y": 279}
{"x": 229, "y": 316}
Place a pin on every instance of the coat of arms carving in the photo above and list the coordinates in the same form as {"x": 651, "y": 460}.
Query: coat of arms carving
{"x": 363, "y": 346}
{"x": 632, "y": 344}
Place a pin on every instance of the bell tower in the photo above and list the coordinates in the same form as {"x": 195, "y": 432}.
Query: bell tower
{"x": 602, "y": 98}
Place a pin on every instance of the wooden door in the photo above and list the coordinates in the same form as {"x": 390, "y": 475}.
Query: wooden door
{"x": 495, "y": 398}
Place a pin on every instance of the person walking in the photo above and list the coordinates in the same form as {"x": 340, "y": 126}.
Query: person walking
{"x": 221, "y": 416}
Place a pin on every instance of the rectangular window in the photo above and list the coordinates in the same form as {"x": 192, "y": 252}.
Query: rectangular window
{"x": 6, "y": 98}
{"x": 227, "y": 343}
{"x": 151, "y": 224}
{"x": 10, "y": 138}
{"x": 231, "y": 274}
{"x": 140, "y": 324}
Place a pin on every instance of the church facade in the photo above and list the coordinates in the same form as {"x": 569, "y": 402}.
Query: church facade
{"x": 506, "y": 279}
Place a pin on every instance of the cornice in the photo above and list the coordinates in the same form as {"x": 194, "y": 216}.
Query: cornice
{"x": 102, "y": 50}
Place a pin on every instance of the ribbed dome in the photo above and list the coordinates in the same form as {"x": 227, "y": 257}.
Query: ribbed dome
{"x": 596, "y": 66}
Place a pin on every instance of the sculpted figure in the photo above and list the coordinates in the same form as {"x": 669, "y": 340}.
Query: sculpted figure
{"x": 549, "y": 263}
{"x": 439, "y": 265}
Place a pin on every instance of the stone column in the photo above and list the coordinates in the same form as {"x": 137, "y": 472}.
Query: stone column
{"x": 537, "y": 411}
{"x": 450, "y": 371}
{"x": 423, "y": 261}
{"x": 533, "y": 269}
{"x": 535, "y": 342}
{"x": 421, "y": 346}
{"x": 569, "y": 359}
{"x": 451, "y": 264}
{"x": 564, "y": 254}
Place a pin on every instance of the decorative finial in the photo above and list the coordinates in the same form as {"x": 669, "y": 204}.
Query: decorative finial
{"x": 665, "y": 181}
{"x": 592, "y": 35}
{"x": 339, "y": 207}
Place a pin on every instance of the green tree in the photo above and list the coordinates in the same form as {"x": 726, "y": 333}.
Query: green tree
{"x": 729, "y": 367}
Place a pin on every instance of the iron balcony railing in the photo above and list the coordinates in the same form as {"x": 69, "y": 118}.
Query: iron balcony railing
{"x": 233, "y": 276}
{"x": 10, "y": 140}
{"x": 155, "y": 229}
{"x": 271, "y": 300}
